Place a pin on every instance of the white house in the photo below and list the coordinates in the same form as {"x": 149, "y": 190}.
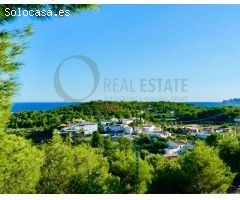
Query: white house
{"x": 165, "y": 134}
{"x": 148, "y": 128}
{"x": 177, "y": 148}
{"x": 87, "y": 128}
{"x": 160, "y": 134}
{"x": 71, "y": 129}
{"x": 128, "y": 130}
{"x": 114, "y": 120}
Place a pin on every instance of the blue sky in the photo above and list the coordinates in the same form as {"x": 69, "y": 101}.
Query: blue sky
{"x": 199, "y": 43}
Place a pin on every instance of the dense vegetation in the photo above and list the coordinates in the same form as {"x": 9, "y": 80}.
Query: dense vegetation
{"x": 157, "y": 112}
{"x": 97, "y": 164}
{"x": 102, "y": 165}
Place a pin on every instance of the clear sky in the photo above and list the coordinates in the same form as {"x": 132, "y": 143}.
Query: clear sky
{"x": 198, "y": 43}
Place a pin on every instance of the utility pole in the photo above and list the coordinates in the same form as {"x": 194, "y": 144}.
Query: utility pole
{"x": 137, "y": 171}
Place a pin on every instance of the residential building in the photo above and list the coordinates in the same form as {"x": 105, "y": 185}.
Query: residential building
{"x": 160, "y": 134}
{"x": 177, "y": 148}
{"x": 87, "y": 128}
{"x": 149, "y": 129}
{"x": 128, "y": 130}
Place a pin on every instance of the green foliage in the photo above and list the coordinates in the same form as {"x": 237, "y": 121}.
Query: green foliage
{"x": 153, "y": 112}
{"x": 20, "y": 164}
{"x": 91, "y": 173}
{"x": 123, "y": 164}
{"x": 204, "y": 171}
{"x": 12, "y": 44}
{"x": 167, "y": 177}
{"x": 75, "y": 169}
{"x": 229, "y": 150}
{"x": 236, "y": 181}
{"x": 197, "y": 171}
{"x": 100, "y": 129}
{"x": 155, "y": 145}
{"x": 58, "y": 167}
{"x": 63, "y": 167}
{"x": 213, "y": 139}
{"x": 109, "y": 146}
{"x": 97, "y": 140}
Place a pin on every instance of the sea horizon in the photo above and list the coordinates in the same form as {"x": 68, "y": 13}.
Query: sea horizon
{"x": 45, "y": 106}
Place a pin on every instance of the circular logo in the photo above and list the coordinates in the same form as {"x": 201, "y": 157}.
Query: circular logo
{"x": 57, "y": 83}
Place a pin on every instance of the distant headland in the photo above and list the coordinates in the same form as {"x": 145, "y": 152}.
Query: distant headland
{"x": 232, "y": 102}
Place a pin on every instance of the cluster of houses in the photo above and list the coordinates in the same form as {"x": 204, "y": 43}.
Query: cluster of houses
{"x": 203, "y": 132}
{"x": 124, "y": 127}
{"x": 114, "y": 127}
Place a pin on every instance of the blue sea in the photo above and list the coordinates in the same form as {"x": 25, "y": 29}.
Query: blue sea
{"x": 44, "y": 106}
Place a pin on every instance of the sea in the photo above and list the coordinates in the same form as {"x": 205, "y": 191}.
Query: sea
{"x": 44, "y": 106}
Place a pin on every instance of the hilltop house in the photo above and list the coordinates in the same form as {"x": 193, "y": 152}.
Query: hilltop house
{"x": 177, "y": 148}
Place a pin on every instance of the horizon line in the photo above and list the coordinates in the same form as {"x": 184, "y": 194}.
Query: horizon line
{"x": 115, "y": 101}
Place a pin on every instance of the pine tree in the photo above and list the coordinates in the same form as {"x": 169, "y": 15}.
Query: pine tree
{"x": 20, "y": 165}
{"x": 12, "y": 45}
